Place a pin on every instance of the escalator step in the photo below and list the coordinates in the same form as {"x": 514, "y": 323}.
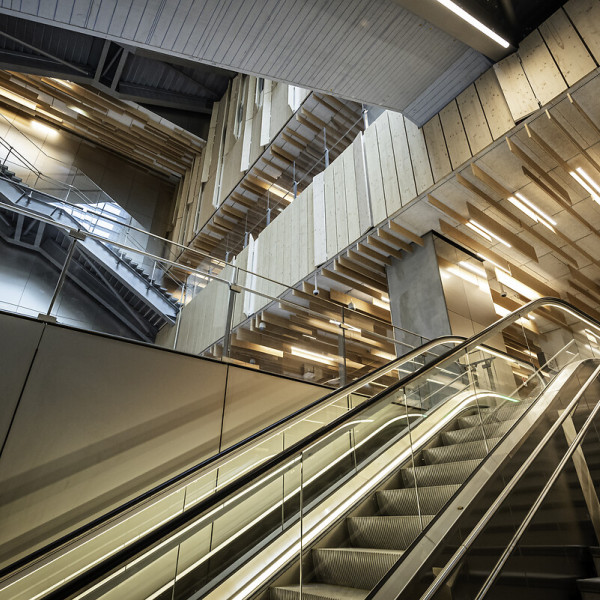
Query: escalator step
{"x": 389, "y": 533}
{"x": 460, "y": 436}
{"x": 353, "y": 567}
{"x": 404, "y": 501}
{"x": 589, "y": 588}
{"x": 441, "y": 474}
{"x": 317, "y": 591}
{"x": 459, "y": 452}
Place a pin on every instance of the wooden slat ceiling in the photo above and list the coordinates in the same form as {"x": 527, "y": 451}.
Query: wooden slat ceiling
{"x": 296, "y": 152}
{"x": 555, "y": 252}
{"x": 123, "y": 127}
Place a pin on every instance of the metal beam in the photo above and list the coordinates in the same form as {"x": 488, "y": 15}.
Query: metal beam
{"x": 43, "y": 53}
{"x": 120, "y": 67}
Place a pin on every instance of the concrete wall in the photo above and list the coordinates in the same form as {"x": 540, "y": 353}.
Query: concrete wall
{"x": 88, "y": 421}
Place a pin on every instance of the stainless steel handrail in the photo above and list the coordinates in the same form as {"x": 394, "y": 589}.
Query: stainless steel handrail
{"x": 546, "y": 489}
{"x": 191, "y": 270}
{"x": 447, "y": 570}
{"x": 230, "y": 491}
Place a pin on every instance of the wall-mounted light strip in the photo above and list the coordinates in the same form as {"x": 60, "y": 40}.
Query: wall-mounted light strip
{"x": 583, "y": 179}
{"x": 471, "y": 20}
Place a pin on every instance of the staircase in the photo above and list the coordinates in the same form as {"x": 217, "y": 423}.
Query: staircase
{"x": 375, "y": 541}
{"x": 111, "y": 277}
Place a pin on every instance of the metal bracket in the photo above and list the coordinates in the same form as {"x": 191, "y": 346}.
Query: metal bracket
{"x": 235, "y": 288}
{"x": 46, "y": 318}
{"x": 77, "y": 234}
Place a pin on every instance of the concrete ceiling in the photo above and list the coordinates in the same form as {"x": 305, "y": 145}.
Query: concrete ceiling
{"x": 408, "y": 55}
{"x": 376, "y": 52}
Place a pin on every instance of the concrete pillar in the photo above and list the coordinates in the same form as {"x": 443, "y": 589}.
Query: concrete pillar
{"x": 417, "y": 301}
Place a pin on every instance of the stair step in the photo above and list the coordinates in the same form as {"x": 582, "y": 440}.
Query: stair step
{"x": 404, "y": 501}
{"x": 387, "y": 533}
{"x": 460, "y": 436}
{"x": 317, "y": 591}
{"x": 353, "y": 567}
{"x": 589, "y": 588}
{"x": 441, "y": 474}
{"x": 458, "y": 452}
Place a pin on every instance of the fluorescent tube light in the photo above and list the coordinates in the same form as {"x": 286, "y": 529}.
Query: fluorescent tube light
{"x": 311, "y": 355}
{"x": 490, "y": 233}
{"x": 476, "y": 229}
{"x": 538, "y": 210}
{"x": 583, "y": 179}
{"x": 471, "y": 20}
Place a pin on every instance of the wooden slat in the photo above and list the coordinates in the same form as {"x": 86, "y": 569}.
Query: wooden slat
{"x": 494, "y": 104}
{"x": 436, "y": 147}
{"x": 406, "y": 233}
{"x": 541, "y": 70}
{"x": 454, "y": 132}
{"x": 516, "y": 88}
{"x": 569, "y": 52}
{"x": 473, "y": 118}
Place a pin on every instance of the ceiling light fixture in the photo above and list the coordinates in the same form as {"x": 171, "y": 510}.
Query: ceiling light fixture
{"x": 311, "y": 355}
{"x": 471, "y": 20}
{"x": 489, "y": 233}
{"x": 18, "y": 99}
{"x": 476, "y": 229}
{"x": 583, "y": 179}
{"x": 532, "y": 211}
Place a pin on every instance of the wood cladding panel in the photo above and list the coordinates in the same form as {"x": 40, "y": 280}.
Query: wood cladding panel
{"x": 436, "y": 146}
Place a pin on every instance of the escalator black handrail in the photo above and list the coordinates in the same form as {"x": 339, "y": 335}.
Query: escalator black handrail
{"x": 182, "y": 520}
{"x": 215, "y": 460}
{"x": 515, "y": 479}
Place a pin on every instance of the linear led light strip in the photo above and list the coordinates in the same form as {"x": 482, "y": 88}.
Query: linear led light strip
{"x": 485, "y": 233}
{"x": 531, "y": 210}
{"x": 581, "y": 177}
{"x": 465, "y": 16}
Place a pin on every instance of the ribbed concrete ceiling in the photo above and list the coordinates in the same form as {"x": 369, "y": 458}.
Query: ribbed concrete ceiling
{"x": 376, "y": 52}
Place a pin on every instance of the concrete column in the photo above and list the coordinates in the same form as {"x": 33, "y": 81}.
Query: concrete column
{"x": 417, "y": 301}
{"x": 440, "y": 289}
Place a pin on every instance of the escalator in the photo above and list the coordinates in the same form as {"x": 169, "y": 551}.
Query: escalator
{"x": 389, "y": 497}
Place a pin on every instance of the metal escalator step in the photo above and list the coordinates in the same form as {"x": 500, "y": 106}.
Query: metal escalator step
{"x": 353, "y": 567}
{"x": 388, "y": 533}
{"x": 589, "y": 588}
{"x": 404, "y": 501}
{"x": 317, "y": 591}
{"x": 440, "y": 474}
{"x": 457, "y": 452}
{"x": 511, "y": 411}
{"x": 460, "y": 436}
{"x": 471, "y": 420}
